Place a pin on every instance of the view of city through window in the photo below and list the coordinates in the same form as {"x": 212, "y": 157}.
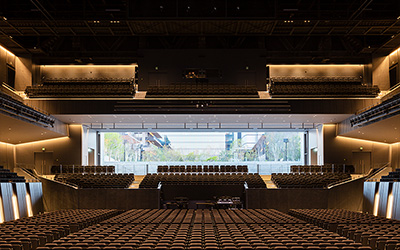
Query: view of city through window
{"x": 202, "y": 147}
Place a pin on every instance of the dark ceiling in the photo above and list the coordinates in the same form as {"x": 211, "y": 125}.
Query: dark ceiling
{"x": 303, "y": 31}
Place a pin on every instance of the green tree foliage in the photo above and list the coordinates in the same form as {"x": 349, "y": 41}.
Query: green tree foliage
{"x": 276, "y": 148}
{"x": 114, "y": 146}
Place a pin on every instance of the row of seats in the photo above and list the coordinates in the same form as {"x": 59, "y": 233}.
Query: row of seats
{"x": 392, "y": 176}
{"x": 82, "y": 169}
{"x": 317, "y": 79}
{"x": 199, "y": 168}
{"x": 308, "y": 180}
{"x": 30, "y": 233}
{"x": 334, "y": 168}
{"x": 132, "y": 230}
{"x": 75, "y": 90}
{"x": 190, "y": 216}
{"x": 386, "y": 108}
{"x": 322, "y": 90}
{"x": 327, "y": 217}
{"x": 376, "y": 232}
{"x": 252, "y": 180}
{"x": 19, "y": 109}
{"x": 7, "y": 176}
{"x": 97, "y": 180}
{"x": 202, "y": 89}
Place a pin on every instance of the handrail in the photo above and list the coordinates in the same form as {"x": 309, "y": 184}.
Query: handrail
{"x": 371, "y": 175}
{"x": 332, "y": 185}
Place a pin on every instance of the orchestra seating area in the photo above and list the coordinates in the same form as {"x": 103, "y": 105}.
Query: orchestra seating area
{"x": 252, "y": 180}
{"x": 334, "y": 168}
{"x": 7, "y": 176}
{"x": 377, "y": 232}
{"x": 37, "y": 231}
{"x": 320, "y": 87}
{"x": 68, "y": 169}
{"x": 200, "y": 169}
{"x": 307, "y": 180}
{"x": 97, "y": 180}
{"x": 208, "y": 90}
{"x": 392, "y": 176}
{"x": 176, "y": 229}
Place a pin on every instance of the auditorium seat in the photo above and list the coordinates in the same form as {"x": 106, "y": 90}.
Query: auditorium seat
{"x": 392, "y": 176}
{"x": 7, "y": 176}
{"x": 153, "y": 180}
{"x": 97, "y": 180}
{"x": 308, "y": 180}
{"x": 202, "y": 89}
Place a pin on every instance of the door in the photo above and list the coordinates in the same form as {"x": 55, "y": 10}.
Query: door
{"x": 361, "y": 162}
{"x": 314, "y": 156}
{"x": 43, "y": 162}
{"x": 91, "y": 157}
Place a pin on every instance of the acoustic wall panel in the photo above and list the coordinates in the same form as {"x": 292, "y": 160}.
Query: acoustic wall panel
{"x": 396, "y": 201}
{"x": 20, "y": 192}
{"x": 6, "y": 195}
{"x": 36, "y": 193}
{"x": 369, "y": 196}
{"x": 383, "y": 198}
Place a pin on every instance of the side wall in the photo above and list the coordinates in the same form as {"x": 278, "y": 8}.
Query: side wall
{"x": 339, "y": 150}
{"x": 346, "y": 196}
{"x": 65, "y": 150}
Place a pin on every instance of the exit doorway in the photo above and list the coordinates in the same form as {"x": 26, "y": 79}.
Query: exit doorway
{"x": 361, "y": 162}
{"x": 43, "y": 162}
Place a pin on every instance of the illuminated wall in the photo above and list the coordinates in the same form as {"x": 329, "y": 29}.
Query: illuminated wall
{"x": 65, "y": 150}
{"x": 340, "y": 150}
{"x": 22, "y": 66}
{"x": 318, "y": 70}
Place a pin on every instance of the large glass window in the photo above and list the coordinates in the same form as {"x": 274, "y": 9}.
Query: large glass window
{"x": 256, "y": 149}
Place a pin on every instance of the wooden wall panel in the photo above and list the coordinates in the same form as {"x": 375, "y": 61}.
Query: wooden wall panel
{"x": 6, "y": 195}
{"x": 36, "y": 193}
{"x": 20, "y": 191}
{"x": 347, "y": 196}
{"x": 383, "y": 198}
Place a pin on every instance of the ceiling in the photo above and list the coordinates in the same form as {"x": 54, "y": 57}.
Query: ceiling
{"x": 88, "y": 31}
{"x": 15, "y": 131}
{"x": 202, "y": 122}
{"x": 387, "y": 131}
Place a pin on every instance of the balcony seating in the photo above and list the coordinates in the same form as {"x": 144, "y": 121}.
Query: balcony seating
{"x": 334, "y": 168}
{"x": 320, "y": 87}
{"x": 202, "y": 169}
{"x": 56, "y": 88}
{"x": 252, "y": 180}
{"x": 308, "y": 180}
{"x": 97, "y": 180}
{"x": 202, "y": 89}
{"x": 82, "y": 169}
{"x": 7, "y": 176}
{"x": 16, "y": 108}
